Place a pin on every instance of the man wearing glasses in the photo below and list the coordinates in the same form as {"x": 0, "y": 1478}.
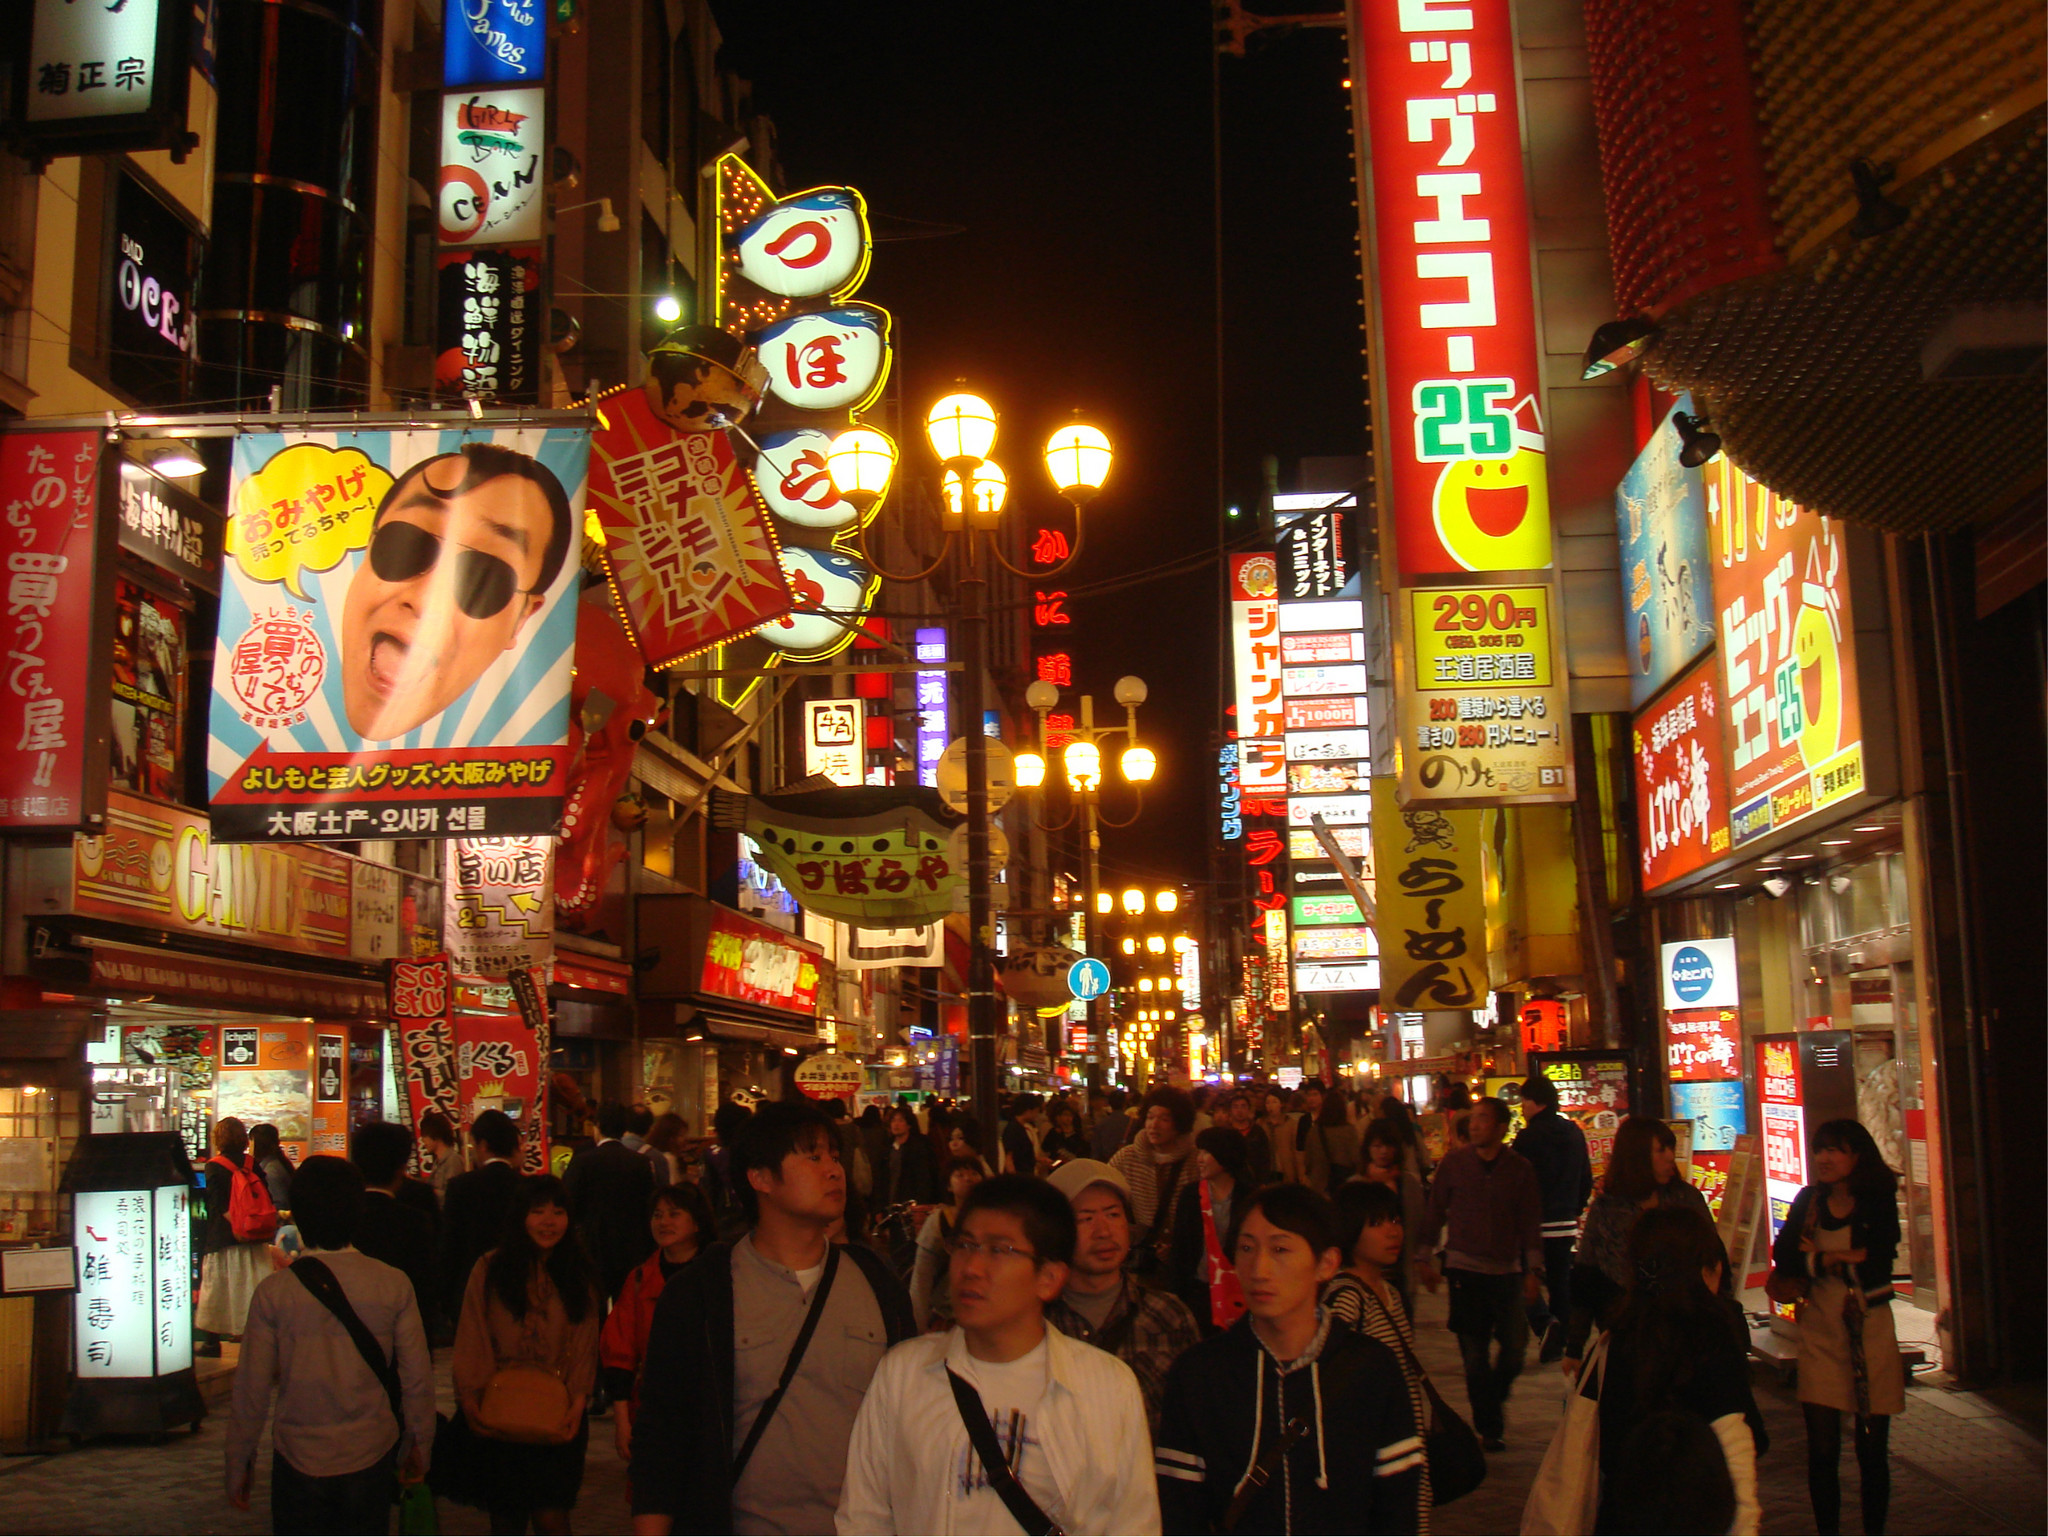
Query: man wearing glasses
{"x": 1002, "y": 1424}
{"x": 463, "y": 550}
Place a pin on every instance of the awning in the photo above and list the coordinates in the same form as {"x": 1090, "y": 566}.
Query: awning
{"x": 732, "y": 1027}
{"x": 177, "y": 977}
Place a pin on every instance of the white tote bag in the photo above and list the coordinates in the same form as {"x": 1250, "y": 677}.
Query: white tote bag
{"x": 1566, "y": 1495}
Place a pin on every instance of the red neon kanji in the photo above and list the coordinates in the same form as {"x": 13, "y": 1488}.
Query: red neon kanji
{"x": 1050, "y": 547}
{"x": 1057, "y": 667}
{"x": 1050, "y": 608}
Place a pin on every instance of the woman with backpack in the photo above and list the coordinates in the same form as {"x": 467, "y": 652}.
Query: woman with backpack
{"x": 1679, "y": 1428}
{"x": 234, "y": 1244}
{"x": 1833, "y": 1262}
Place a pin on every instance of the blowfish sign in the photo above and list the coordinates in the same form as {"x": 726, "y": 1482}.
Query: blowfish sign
{"x": 396, "y": 633}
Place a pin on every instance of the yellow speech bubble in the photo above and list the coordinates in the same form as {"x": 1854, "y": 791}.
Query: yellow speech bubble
{"x": 305, "y": 509}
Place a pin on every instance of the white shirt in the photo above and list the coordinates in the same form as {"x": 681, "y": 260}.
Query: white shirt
{"x": 1087, "y": 1446}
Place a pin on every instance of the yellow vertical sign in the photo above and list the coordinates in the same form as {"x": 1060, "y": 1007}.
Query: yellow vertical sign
{"x": 1432, "y": 910}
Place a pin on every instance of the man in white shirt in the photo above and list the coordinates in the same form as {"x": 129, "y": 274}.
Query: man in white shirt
{"x": 1068, "y": 1420}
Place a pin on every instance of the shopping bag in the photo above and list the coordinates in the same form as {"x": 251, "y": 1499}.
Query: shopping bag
{"x": 416, "y": 1514}
{"x": 1565, "y": 1498}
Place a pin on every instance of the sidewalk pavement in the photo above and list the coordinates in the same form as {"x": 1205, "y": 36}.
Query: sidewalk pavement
{"x": 1959, "y": 1463}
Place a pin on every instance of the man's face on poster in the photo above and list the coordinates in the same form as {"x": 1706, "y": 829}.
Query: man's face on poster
{"x": 446, "y": 587}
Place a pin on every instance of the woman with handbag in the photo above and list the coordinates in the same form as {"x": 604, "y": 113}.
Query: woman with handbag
{"x": 1833, "y": 1261}
{"x": 1197, "y": 1265}
{"x": 526, "y": 1361}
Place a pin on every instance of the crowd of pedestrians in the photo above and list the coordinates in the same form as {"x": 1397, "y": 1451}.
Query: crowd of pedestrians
{"x": 1182, "y": 1312}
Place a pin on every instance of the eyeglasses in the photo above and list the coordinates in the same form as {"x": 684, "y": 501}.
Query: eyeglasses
{"x": 969, "y": 1247}
{"x": 484, "y": 584}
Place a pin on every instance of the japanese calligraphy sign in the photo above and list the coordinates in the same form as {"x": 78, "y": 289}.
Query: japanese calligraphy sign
{"x": 1701, "y": 1044}
{"x": 491, "y": 185}
{"x": 1666, "y": 585}
{"x": 827, "y": 360}
{"x": 53, "y": 742}
{"x": 133, "y": 1306}
{"x": 795, "y": 482}
{"x": 1432, "y": 910}
{"x": 778, "y": 255}
{"x": 832, "y": 740}
{"x": 101, "y": 77}
{"x": 1793, "y": 730}
{"x": 493, "y": 42}
{"x": 692, "y": 557}
{"x": 832, "y": 592}
{"x": 422, "y": 995}
{"x": 1484, "y": 701}
{"x": 169, "y": 527}
{"x": 1681, "y": 792}
{"x": 887, "y": 869}
{"x": 498, "y": 915}
{"x": 490, "y": 324}
{"x": 498, "y": 1066}
{"x": 1455, "y": 341}
{"x": 530, "y": 993}
{"x": 752, "y": 963}
{"x": 397, "y": 626}
{"x": 1255, "y": 653}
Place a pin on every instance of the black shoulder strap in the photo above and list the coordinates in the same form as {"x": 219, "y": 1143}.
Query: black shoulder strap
{"x": 1023, "y": 1509}
{"x": 1262, "y": 1473}
{"x": 789, "y": 1367}
{"x": 320, "y": 1281}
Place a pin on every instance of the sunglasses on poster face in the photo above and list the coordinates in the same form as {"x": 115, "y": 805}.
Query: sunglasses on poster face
{"x": 484, "y": 584}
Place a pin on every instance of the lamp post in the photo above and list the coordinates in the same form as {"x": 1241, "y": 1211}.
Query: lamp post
{"x": 961, "y": 428}
{"x": 1082, "y": 763}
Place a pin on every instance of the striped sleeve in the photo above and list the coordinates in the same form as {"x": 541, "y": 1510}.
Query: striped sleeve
{"x": 1168, "y": 1462}
{"x": 1398, "y": 1457}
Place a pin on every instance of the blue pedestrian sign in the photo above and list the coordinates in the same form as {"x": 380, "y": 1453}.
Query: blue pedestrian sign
{"x": 1087, "y": 978}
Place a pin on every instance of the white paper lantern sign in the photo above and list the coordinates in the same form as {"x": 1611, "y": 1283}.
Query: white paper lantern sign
{"x": 808, "y": 246}
{"x": 795, "y": 483}
{"x": 829, "y": 360}
{"x": 832, "y": 590}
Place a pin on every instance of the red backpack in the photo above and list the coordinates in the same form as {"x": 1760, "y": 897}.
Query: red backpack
{"x": 252, "y": 1215}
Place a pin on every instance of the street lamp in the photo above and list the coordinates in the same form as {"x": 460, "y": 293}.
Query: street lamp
{"x": 1166, "y": 901}
{"x": 1134, "y": 901}
{"x": 961, "y": 428}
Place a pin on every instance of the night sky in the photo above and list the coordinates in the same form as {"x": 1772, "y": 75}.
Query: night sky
{"x": 1057, "y": 161}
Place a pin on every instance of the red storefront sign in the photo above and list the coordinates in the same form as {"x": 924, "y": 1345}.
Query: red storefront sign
{"x": 1681, "y": 790}
{"x": 752, "y": 963}
{"x": 53, "y": 724}
{"x": 1255, "y": 655}
{"x": 1703, "y": 1044}
{"x": 244, "y": 989}
{"x": 1457, "y": 321}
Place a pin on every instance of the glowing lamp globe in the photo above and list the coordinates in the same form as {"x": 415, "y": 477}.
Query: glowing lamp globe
{"x": 1139, "y": 765}
{"x": 1156, "y": 943}
{"x": 860, "y": 461}
{"x": 991, "y": 489}
{"x": 1028, "y": 771}
{"x": 962, "y": 429}
{"x": 1084, "y": 765}
{"x": 1134, "y": 901}
{"x": 1077, "y": 457}
{"x": 1166, "y": 901}
{"x": 1104, "y": 902}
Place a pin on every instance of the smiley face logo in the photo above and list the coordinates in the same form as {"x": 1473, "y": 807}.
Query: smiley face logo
{"x": 1820, "y": 684}
{"x": 1494, "y": 514}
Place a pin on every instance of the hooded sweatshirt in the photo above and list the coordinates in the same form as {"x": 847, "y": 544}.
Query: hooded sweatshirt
{"x": 1156, "y": 1175}
{"x": 1356, "y": 1467}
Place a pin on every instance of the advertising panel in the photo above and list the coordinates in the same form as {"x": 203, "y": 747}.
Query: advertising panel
{"x": 490, "y": 325}
{"x": 266, "y": 1074}
{"x": 1782, "y": 1122}
{"x": 492, "y": 42}
{"x": 1700, "y": 974}
{"x": 1681, "y": 788}
{"x": 1432, "y": 911}
{"x": 1592, "y": 1090}
{"x": 499, "y": 911}
{"x": 421, "y": 997}
{"x": 752, "y": 963}
{"x": 1666, "y": 583}
{"x": 149, "y": 308}
{"x": 692, "y": 557}
{"x": 1716, "y": 1111}
{"x": 114, "y": 1334}
{"x": 1787, "y": 655}
{"x": 498, "y": 1067}
{"x": 1703, "y": 1044}
{"x": 492, "y": 190}
{"x": 53, "y": 746}
{"x": 1485, "y": 703}
{"x": 369, "y": 688}
{"x": 1255, "y": 653}
{"x": 832, "y": 739}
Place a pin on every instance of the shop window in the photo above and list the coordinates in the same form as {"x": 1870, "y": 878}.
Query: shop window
{"x": 150, "y": 698}
{"x": 657, "y": 836}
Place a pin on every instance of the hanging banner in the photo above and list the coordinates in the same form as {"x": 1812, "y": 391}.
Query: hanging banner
{"x": 530, "y": 992}
{"x": 492, "y": 191}
{"x": 489, "y": 325}
{"x": 874, "y": 857}
{"x": 1455, "y": 343}
{"x": 1681, "y": 792}
{"x": 498, "y": 911}
{"x": 421, "y": 995}
{"x": 1432, "y": 910}
{"x": 1787, "y": 653}
{"x": 53, "y": 721}
{"x": 1255, "y": 652}
{"x": 693, "y": 560}
{"x": 498, "y": 1067}
{"x": 1666, "y": 582}
{"x": 367, "y": 687}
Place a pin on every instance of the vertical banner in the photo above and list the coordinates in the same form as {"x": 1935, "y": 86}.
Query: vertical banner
{"x": 397, "y": 623}
{"x": 1666, "y": 579}
{"x": 1681, "y": 788}
{"x": 530, "y": 992}
{"x": 491, "y": 183}
{"x": 498, "y": 1067}
{"x": 498, "y": 912}
{"x": 1480, "y": 679}
{"x": 489, "y": 325}
{"x": 1432, "y": 909}
{"x": 1255, "y": 653}
{"x": 421, "y": 997}
{"x": 330, "y": 1093}
{"x": 53, "y": 721}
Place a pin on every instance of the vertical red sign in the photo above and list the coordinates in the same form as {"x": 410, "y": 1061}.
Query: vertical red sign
{"x": 52, "y": 752}
{"x": 1457, "y": 338}
{"x": 1681, "y": 789}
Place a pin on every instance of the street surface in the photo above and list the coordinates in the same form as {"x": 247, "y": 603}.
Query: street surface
{"x": 1958, "y": 1465}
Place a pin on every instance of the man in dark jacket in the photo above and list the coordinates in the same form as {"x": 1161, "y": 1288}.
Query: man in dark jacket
{"x": 479, "y": 1206}
{"x": 1556, "y": 1149}
{"x": 704, "y": 1457}
{"x": 610, "y": 1189}
{"x": 389, "y": 1229}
